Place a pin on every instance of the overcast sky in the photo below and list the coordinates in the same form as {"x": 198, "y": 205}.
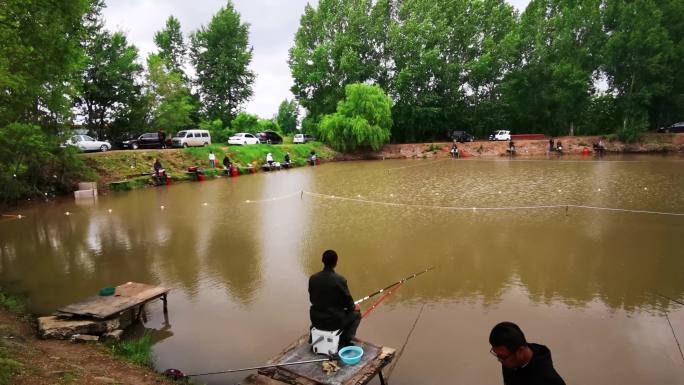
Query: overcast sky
{"x": 273, "y": 24}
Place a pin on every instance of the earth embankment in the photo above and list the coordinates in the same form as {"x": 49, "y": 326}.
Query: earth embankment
{"x": 649, "y": 143}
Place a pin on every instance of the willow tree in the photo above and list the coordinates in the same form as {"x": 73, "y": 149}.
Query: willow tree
{"x": 337, "y": 43}
{"x": 363, "y": 119}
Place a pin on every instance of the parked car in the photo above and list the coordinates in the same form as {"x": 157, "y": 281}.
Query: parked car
{"x": 677, "y": 127}
{"x": 500, "y": 135}
{"x": 462, "y": 136}
{"x": 87, "y": 143}
{"x": 189, "y": 138}
{"x": 269, "y": 137}
{"x": 302, "y": 138}
{"x": 243, "y": 138}
{"x": 147, "y": 140}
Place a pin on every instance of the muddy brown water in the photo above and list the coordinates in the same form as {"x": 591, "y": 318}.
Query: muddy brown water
{"x": 237, "y": 260}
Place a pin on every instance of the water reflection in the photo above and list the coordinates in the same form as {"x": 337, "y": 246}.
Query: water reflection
{"x": 238, "y": 269}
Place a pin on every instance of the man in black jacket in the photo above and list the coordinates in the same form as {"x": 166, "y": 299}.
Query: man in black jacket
{"x": 522, "y": 363}
{"x": 332, "y": 307}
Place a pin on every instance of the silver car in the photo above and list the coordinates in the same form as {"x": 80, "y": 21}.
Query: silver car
{"x": 86, "y": 143}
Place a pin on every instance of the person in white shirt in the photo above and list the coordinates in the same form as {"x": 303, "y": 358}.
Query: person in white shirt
{"x": 269, "y": 159}
{"x": 212, "y": 159}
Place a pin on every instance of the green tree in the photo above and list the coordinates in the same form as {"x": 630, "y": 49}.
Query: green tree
{"x": 32, "y": 164}
{"x": 221, "y": 57}
{"x": 363, "y": 119}
{"x": 245, "y": 122}
{"x": 637, "y": 54}
{"x": 109, "y": 86}
{"x": 40, "y": 56}
{"x": 219, "y": 133}
{"x": 288, "y": 112}
{"x": 667, "y": 108}
{"x": 336, "y": 44}
{"x": 558, "y": 43}
{"x": 448, "y": 60}
{"x": 172, "y": 104}
{"x": 268, "y": 125}
{"x": 171, "y": 46}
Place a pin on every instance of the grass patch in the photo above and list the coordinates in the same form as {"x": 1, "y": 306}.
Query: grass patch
{"x": 137, "y": 351}
{"x": 130, "y": 184}
{"x": 255, "y": 155}
{"x": 432, "y": 148}
{"x": 8, "y": 368}
{"x": 12, "y": 304}
{"x": 68, "y": 378}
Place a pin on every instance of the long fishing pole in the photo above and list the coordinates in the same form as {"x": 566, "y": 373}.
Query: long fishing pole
{"x": 675, "y": 336}
{"x": 378, "y": 302}
{"x": 390, "y": 286}
{"x": 178, "y": 374}
{"x": 671, "y": 299}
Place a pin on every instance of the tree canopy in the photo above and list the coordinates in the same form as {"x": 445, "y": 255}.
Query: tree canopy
{"x": 363, "y": 119}
{"x": 560, "y": 67}
{"x": 221, "y": 56}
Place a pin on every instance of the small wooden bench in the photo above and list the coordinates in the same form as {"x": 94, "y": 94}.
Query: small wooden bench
{"x": 126, "y": 296}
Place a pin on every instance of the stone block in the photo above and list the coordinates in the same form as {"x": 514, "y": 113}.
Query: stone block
{"x": 85, "y": 194}
{"x": 113, "y": 336}
{"x": 52, "y": 327}
{"x": 87, "y": 185}
{"x": 84, "y": 338}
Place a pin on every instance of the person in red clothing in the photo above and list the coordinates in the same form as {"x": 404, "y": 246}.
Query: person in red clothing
{"x": 522, "y": 363}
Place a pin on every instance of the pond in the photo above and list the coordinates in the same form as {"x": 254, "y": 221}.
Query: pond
{"x": 236, "y": 254}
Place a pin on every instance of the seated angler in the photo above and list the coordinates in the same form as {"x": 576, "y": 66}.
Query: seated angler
{"x": 159, "y": 171}
{"x": 226, "y": 164}
{"x": 332, "y": 306}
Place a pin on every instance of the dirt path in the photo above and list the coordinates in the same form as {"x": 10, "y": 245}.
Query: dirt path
{"x": 63, "y": 362}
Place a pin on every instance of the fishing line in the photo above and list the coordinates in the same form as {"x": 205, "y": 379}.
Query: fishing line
{"x": 417, "y": 165}
{"x": 675, "y": 336}
{"x": 401, "y": 351}
{"x": 177, "y": 374}
{"x": 671, "y": 299}
{"x": 503, "y": 208}
{"x": 274, "y": 198}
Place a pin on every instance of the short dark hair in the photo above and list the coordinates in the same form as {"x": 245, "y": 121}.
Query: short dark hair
{"x": 507, "y": 334}
{"x": 330, "y": 258}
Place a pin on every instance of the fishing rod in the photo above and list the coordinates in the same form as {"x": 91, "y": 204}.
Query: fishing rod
{"x": 671, "y": 299}
{"x": 177, "y": 374}
{"x": 384, "y": 296}
{"x": 401, "y": 281}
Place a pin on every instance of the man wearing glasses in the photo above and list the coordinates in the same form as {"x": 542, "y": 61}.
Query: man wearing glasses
{"x": 522, "y": 363}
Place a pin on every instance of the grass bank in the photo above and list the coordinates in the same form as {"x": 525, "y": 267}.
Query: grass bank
{"x": 137, "y": 351}
{"x": 124, "y": 170}
{"x": 26, "y": 359}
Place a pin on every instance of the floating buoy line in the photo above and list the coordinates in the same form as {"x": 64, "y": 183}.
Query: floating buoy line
{"x": 358, "y": 198}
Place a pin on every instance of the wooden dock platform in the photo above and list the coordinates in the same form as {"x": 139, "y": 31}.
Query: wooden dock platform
{"x": 375, "y": 358}
{"x": 126, "y": 296}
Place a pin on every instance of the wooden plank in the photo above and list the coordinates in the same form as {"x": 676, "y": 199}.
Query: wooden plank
{"x": 126, "y": 296}
{"x": 374, "y": 359}
{"x": 258, "y": 379}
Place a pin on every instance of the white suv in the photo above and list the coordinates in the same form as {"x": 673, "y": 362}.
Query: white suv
{"x": 500, "y": 135}
{"x": 302, "y": 138}
{"x": 188, "y": 138}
